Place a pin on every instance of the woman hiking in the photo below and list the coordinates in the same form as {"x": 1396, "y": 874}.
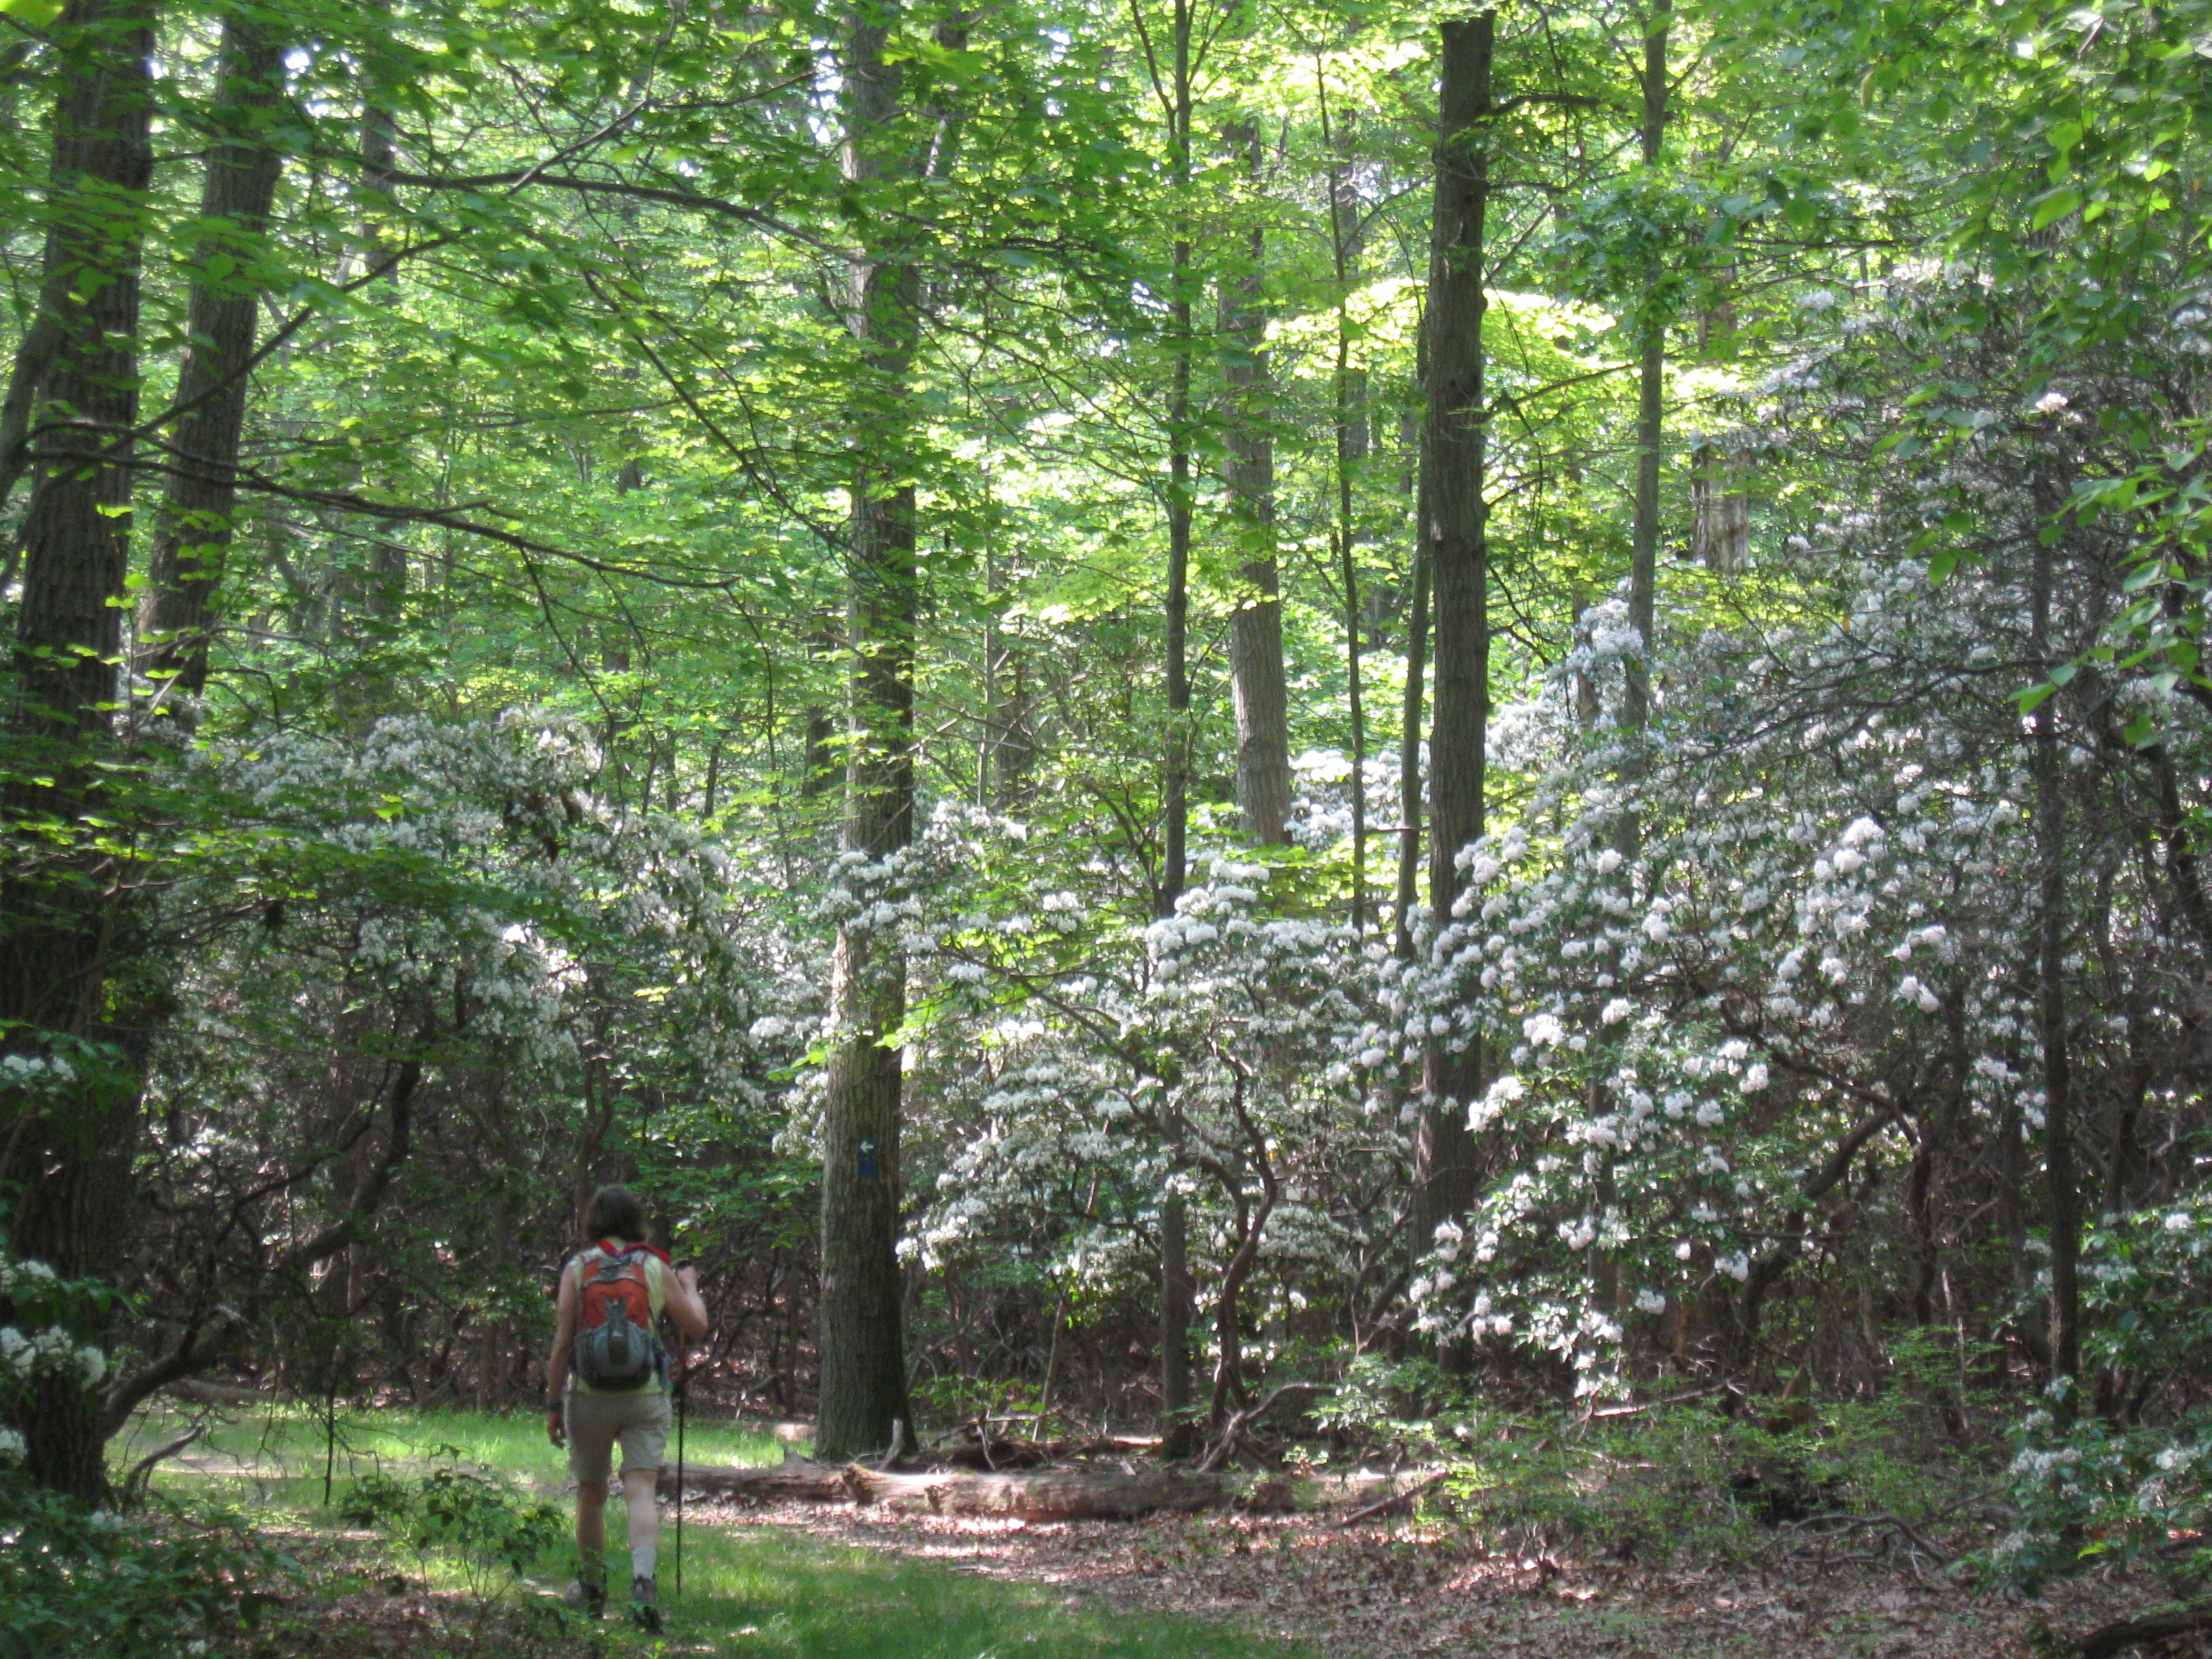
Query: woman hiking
{"x": 609, "y": 1380}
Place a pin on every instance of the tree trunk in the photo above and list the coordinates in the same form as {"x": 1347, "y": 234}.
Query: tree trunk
{"x": 864, "y": 1394}
{"x": 75, "y": 1144}
{"x": 1453, "y": 476}
{"x": 1720, "y": 511}
{"x": 193, "y": 532}
{"x": 2051, "y": 1006}
{"x": 1351, "y": 424}
{"x": 1175, "y": 1272}
{"x": 1650, "y": 374}
{"x": 1255, "y": 627}
{"x": 1176, "y": 1430}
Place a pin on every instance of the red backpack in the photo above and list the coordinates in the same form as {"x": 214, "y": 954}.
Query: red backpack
{"x": 618, "y": 1350}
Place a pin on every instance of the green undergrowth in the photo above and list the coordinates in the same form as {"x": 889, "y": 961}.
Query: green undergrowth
{"x": 285, "y": 1454}
{"x": 1687, "y": 1484}
{"x": 465, "y": 1510}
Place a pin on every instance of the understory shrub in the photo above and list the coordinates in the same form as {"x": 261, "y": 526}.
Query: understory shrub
{"x": 158, "y": 1584}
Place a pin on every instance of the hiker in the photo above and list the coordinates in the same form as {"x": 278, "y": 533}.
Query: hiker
{"x": 608, "y": 1380}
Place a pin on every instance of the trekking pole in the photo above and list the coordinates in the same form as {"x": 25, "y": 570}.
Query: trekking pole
{"x": 683, "y": 1380}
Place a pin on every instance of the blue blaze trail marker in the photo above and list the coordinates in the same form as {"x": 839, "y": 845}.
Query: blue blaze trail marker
{"x": 867, "y": 1158}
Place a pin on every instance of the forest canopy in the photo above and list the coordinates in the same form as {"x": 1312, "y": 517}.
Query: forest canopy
{"x": 1193, "y": 712}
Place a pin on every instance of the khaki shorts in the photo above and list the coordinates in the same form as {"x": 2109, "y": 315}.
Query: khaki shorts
{"x": 596, "y": 1421}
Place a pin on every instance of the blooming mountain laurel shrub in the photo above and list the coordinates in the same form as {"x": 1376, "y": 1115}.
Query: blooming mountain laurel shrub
{"x": 1758, "y": 986}
{"x": 458, "y": 896}
{"x": 2133, "y": 1474}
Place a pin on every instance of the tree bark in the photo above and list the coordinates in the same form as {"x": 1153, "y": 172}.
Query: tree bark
{"x": 56, "y": 899}
{"x": 1255, "y": 627}
{"x": 1651, "y": 379}
{"x": 1175, "y": 1311}
{"x": 1350, "y": 433}
{"x": 2060, "y": 1191}
{"x": 1720, "y": 537}
{"x": 1175, "y": 783}
{"x": 864, "y": 1394}
{"x": 1453, "y": 532}
{"x": 193, "y": 532}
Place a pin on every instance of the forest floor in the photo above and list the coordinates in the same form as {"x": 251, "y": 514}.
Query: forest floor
{"x": 814, "y": 1580}
{"x": 1434, "y": 1588}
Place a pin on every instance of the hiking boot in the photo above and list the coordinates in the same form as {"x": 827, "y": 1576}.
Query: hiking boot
{"x": 645, "y": 1603}
{"x": 588, "y": 1599}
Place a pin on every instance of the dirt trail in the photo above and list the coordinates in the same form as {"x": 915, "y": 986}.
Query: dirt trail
{"x": 1409, "y": 1589}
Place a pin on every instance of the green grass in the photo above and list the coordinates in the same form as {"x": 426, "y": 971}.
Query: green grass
{"x": 769, "y": 1594}
{"x": 747, "y": 1590}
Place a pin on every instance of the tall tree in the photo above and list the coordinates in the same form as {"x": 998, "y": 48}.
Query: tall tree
{"x": 1454, "y": 532}
{"x": 1255, "y": 627}
{"x": 68, "y": 1146}
{"x": 1650, "y": 415}
{"x": 864, "y": 1396}
{"x": 193, "y": 532}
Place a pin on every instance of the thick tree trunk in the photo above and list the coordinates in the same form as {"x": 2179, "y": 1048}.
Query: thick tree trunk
{"x": 68, "y": 1149}
{"x": 193, "y": 532}
{"x": 1651, "y": 379}
{"x": 864, "y": 1394}
{"x": 1453, "y": 473}
{"x": 1256, "y": 629}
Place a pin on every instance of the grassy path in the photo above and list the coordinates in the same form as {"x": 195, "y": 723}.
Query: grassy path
{"x": 747, "y": 1592}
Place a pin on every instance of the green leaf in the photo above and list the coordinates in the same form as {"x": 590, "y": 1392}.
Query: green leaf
{"x": 2056, "y": 206}
{"x": 36, "y": 13}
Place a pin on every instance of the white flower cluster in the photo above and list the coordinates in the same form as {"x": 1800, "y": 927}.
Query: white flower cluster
{"x": 50, "y": 1352}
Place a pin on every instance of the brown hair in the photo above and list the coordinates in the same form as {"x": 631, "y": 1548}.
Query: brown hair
{"x": 614, "y": 1212}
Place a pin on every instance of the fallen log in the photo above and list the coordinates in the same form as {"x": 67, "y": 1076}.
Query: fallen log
{"x": 795, "y": 1481}
{"x": 1049, "y": 1495}
{"x": 2109, "y": 1641}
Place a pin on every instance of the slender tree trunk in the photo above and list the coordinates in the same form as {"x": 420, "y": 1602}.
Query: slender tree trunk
{"x": 1350, "y": 436}
{"x": 1174, "y": 831}
{"x": 1720, "y": 511}
{"x": 1417, "y": 645}
{"x": 1453, "y": 469}
{"x": 1651, "y": 379}
{"x": 1175, "y": 1431}
{"x": 193, "y": 533}
{"x": 863, "y": 1347}
{"x": 1256, "y": 629}
{"x": 69, "y": 1150}
{"x": 2061, "y": 1194}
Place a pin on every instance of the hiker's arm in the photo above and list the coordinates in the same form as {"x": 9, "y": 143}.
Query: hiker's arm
{"x": 685, "y": 1304}
{"x": 556, "y": 1367}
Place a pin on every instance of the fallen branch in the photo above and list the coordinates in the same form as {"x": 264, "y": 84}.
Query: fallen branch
{"x": 142, "y": 1472}
{"x": 2108, "y": 1641}
{"x": 1396, "y": 1501}
{"x": 1233, "y": 1430}
{"x": 795, "y": 1481}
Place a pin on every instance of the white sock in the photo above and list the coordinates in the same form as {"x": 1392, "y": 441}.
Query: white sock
{"x": 640, "y": 1561}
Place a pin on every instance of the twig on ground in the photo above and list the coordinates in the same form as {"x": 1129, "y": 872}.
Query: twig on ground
{"x": 1395, "y": 1501}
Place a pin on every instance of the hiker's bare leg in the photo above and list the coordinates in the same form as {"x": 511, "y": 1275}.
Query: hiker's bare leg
{"x": 591, "y": 1526}
{"x": 638, "y": 1486}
